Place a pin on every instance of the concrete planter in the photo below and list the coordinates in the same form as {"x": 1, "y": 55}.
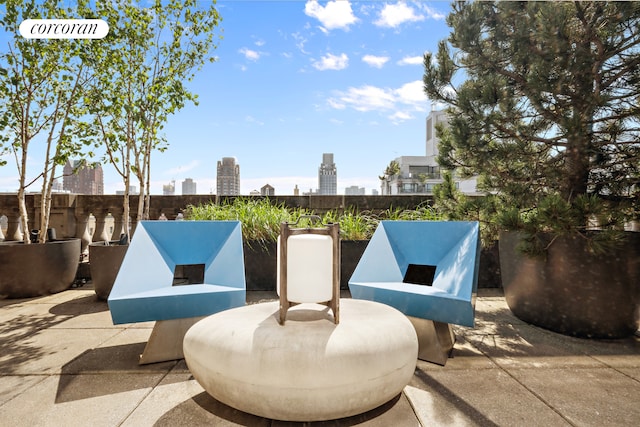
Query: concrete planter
{"x": 33, "y": 270}
{"x": 572, "y": 291}
{"x": 104, "y": 263}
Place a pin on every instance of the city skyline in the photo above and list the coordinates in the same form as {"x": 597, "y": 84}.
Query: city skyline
{"x": 294, "y": 80}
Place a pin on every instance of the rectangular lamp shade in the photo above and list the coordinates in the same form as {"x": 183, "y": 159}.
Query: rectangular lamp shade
{"x": 309, "y": 268}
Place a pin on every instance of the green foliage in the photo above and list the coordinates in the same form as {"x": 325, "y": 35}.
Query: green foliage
{"x": 354, "y": 225}
{"x": 545, "y": 115}
{"x": 41, "y": 91}
{"x": 142, "y": 70}
{"x": 261, "y": 218}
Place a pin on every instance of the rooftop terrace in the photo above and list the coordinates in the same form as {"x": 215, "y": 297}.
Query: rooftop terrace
{"x": 63, "y": 362}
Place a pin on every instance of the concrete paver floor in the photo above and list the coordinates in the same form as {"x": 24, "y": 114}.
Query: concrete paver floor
{"x": 62, "y": 362}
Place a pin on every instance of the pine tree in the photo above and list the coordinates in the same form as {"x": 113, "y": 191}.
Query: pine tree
{"x": 544, "y": 103}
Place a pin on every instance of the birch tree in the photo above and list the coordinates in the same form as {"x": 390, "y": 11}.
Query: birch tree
{"x": 148, "y": 58}
{"x": 42, "y": 86}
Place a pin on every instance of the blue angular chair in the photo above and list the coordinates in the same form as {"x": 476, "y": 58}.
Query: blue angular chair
{"x": 146, "y": 288}
{"x": 428, "y": 270}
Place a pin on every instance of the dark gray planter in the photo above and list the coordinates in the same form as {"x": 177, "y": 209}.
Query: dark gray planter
{"x": 260, "y": 266}
{"x": 350, "y": 253}
{"x": 33, "y": 270}
{"x": 572, "y": 291}
{"x": 104, "y": 263}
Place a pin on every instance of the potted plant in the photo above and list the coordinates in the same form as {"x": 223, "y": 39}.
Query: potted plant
{"x": 42, "y": 85}
{"x": 151, "y": 51}
{"x": 546, "y": 116}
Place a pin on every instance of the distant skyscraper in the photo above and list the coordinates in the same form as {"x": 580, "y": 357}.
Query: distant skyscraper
{"x": 133, "y": 190}
{"x": 267, "y": 190}
{"x": 228, "y": 179}
{"x": 188, "y": 186}
{"x": 169, "y": 189}
{"x": 327, "y": 176}
{"x": 80, "y": 179}
{"x": 354, "y": 190}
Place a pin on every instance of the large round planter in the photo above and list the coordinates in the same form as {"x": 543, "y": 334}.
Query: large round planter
{"x": 37, "y": 269}
{"x": 571, "y": 290}
{"x": 104, "y": 263}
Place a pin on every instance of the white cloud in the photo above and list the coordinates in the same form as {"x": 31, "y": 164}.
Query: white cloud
{"x": 411, "y": 60}
{"x": 300, "y": 42}
{"x": 394, "y": 15}
{"x": 412, "y": 93}
{"x": 431, "y": 13}
{"x": 335, "y": 104}
{"x": 251, "y": 55}
{"x": 375, "y": 61}
{"x": 251, "y": 119}
{"x": 399, "y": 117}
{"x": 332, "y": 62}
{"x": 398, "y": 104}
{"x": 178, "y": 170}
{"x": 336, "y": 14}
{"x": 365, "y": 98}
{"x": 259, "y": 42}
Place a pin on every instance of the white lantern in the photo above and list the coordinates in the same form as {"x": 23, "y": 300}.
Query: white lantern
{"x": 308, "y": 262}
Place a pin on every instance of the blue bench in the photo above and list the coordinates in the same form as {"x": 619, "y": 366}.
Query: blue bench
{"x": 447, "y": 250}
{"x": 144, "y": 288}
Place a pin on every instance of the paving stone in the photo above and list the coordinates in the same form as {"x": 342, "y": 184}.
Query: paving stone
{"x": 63, "y": 362}
{"x": 82, "y": 400}
{"x": 477, "y": 397}
{"x": 14, "y": 385}
{"x": 48, "y": 350}
{"x": 586, "y": 396}
{"x": 180, "y": 401}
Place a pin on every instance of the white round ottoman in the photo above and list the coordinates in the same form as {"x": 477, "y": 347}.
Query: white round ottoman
{"x": 310, "y": 369}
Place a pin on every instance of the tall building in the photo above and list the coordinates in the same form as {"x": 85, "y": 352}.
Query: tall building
{"x": 188, "y": 186}
{"x": 267, "y": 190}
{"x": 420, "y": 174}
{"x": 228, "y": 178}
{"x": 327, "y": 176}
{"x": 83, "y": 179}
{"x": 169, "y": 189}
{"x": 354, "y": 190}
{"x": 133, "y": 191}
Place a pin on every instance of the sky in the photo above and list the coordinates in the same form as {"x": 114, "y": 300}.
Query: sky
{"x": 295, "y": 79}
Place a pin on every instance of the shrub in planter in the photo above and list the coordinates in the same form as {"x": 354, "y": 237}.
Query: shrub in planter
{"x": 41, "y": 89}
{"x": 546, "y": 120}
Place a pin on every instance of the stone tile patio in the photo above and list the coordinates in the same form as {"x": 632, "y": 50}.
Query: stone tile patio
{"x": 62, "y": 362}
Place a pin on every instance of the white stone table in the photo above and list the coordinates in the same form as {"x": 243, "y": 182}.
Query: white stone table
{"x": 308, "y": 369}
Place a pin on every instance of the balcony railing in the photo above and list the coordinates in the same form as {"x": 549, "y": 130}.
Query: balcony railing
{"x": 95, "y": 218}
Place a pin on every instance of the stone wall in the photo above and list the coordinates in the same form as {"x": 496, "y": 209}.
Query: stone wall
{"x": 94, "y": 218}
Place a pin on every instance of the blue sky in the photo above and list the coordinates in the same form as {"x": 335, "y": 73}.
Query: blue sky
{"x": 295, "y": 79}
